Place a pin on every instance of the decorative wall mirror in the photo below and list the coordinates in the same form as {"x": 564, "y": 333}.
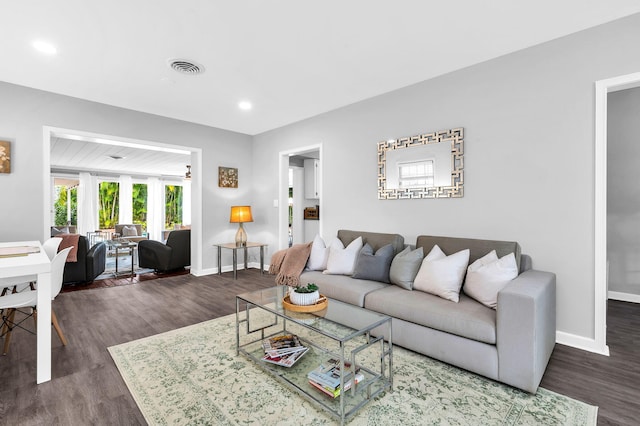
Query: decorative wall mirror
{"x": 422, "y": 166}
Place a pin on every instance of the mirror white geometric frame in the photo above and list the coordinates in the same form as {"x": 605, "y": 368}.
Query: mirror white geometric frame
{"x": 455, "y": 137}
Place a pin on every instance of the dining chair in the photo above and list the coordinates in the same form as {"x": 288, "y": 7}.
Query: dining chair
{"x": 16, "y": 284}
{"x": 10, "y": 303}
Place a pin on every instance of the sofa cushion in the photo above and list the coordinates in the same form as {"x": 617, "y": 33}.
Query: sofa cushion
{"x": 342, "y": 261}
{"x": 375, "y": 267}
{"x": 375, "y": 239}
{"x": 129, "y": 231}
{"x": 488, "y": 275}
{"x": 442, "y": 275}
{"x": 467, "y": 318}
{"x": 477, "y": 248}
{"x": 319, "y": 255}
{"x": 341, "y": 287}
{"x": 405, "y": 266}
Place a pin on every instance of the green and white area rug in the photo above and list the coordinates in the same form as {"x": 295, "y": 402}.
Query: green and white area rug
{"x": 192, "y": 376}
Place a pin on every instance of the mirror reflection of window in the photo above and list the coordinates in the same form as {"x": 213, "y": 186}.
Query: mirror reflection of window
{"x": 416, "y": 174}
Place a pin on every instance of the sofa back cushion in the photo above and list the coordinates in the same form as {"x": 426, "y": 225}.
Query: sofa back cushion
{"x": 374, "y": 239}
{"x": 477, "y": 248}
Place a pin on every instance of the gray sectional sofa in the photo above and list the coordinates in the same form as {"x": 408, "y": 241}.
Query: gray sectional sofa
{"x": 511, "y": 344}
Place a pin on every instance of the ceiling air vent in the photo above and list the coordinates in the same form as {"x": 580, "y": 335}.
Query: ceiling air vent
{"x": 186, "y": 67}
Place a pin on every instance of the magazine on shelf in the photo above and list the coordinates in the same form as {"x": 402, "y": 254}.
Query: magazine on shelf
{"x": 286, "y": 360}
{"x": 282, "y": 345}
{"x": 334, "y": 393}
{"x": 328, "y": 374}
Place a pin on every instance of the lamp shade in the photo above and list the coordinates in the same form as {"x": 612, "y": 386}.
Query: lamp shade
{"x": 240, "y": 214}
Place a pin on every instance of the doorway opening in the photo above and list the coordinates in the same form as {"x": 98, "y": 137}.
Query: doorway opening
{"x": 195, "y": 194}
{"x": 603, "y": 88}
{"x": 300, "y": 195}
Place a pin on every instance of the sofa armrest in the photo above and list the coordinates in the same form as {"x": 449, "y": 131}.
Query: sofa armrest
{"x": 526, "y": 328}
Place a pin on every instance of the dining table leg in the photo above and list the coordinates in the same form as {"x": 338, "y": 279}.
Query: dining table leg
{"x": 43, "y": 357}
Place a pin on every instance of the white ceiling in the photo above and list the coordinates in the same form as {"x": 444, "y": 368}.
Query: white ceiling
{"x": 292, "y": 59}
{"x": 71, "y": 155}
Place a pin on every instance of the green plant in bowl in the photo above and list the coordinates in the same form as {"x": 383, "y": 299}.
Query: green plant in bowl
{"x": 309, "y": 288}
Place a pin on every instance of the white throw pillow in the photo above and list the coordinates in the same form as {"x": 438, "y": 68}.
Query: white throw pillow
{"x": 442, "y": 275}
{"x": 129, "y": 231}
{"x": 342, "y": 261}
{"x": 319, "y": 255}
{"x": 485, "y": 280}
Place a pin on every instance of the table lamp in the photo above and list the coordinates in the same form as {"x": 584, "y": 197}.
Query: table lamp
{"x": 239, "y": 215}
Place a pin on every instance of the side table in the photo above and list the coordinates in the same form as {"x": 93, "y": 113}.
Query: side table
{"x": 233, "y": 247}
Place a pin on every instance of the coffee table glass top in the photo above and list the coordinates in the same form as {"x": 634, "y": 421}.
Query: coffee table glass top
{"x": 120, "y": 244}
{"x": 339, "y": 321}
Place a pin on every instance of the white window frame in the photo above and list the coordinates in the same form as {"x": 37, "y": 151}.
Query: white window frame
{"x": 417, "y": 179}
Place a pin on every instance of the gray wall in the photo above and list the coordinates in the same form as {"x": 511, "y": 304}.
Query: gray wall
{"x": 24, "y": 112}
{"x": 623, "y": 191}
{"x": 529, "y": 157}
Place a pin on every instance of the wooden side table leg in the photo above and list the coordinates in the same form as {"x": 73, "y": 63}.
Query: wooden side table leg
{"x": 219, "y": 260}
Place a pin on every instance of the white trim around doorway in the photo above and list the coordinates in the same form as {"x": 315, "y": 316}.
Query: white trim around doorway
{"x": 602, "y": 88}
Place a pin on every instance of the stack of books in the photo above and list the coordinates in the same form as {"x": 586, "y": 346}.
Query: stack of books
{"x": 283, "y": 350}
{"x": 326, "y": 377}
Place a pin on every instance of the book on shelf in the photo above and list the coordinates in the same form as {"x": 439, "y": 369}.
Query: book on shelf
{"x": 328, "y": 374}
{"x": 286, "y": 360}
{"x": 334, "y": 393}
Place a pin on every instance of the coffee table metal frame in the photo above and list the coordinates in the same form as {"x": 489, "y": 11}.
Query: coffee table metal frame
{"x": 351, "y": 341}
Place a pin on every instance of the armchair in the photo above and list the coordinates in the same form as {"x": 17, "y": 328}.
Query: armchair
{"x": 175, "y": 254}
{"x": 90, "y": 264}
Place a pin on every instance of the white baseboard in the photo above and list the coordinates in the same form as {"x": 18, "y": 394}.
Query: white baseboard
{"x": 203, "y": 272}
{"x": 580, "y": 342}
{"x": 227, "y": 268}
{"x": 624, "y": 297}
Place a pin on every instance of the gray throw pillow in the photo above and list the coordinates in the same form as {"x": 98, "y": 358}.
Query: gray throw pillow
{"x": 405, "y": 267}
{"x": 374, "y": 267}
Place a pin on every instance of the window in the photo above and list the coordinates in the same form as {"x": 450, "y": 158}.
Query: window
{"x": 66, "y": 205}
{"x": 108, "y": 204}
{"x": 173, "y": 206}
{"x": 416, "y": 174}
{"x": 139, "y": 195}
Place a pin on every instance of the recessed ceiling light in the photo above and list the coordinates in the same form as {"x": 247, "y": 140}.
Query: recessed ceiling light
{"x": 44, "y": 47}
{"x": 245, "y": 105}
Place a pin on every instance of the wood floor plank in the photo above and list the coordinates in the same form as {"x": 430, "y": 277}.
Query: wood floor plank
{"x": 87, "y": 388}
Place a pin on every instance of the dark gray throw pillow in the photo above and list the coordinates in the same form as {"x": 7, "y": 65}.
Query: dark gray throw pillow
{"x": 374, "y": 267}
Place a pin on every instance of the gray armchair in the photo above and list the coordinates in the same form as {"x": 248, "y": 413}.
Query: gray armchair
{"x": 175, "y": 254}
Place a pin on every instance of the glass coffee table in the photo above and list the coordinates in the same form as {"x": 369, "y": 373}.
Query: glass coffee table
{"x": 117, "y": 247}
{"x": 341, "y": 332}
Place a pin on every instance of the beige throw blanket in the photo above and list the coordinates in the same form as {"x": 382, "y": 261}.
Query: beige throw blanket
{"x": 289, "y": 263}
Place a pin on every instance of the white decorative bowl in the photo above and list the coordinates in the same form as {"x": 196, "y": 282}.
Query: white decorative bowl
{"x": 304, "y": 299}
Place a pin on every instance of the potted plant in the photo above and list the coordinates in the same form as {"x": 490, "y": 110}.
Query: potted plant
{"x": 304, "y": 295}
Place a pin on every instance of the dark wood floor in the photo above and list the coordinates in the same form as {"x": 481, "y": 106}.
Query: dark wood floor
{"x": 86, "y": 387}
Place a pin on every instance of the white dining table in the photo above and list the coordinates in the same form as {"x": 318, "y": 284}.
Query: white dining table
{"x": 40, "y": 264}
